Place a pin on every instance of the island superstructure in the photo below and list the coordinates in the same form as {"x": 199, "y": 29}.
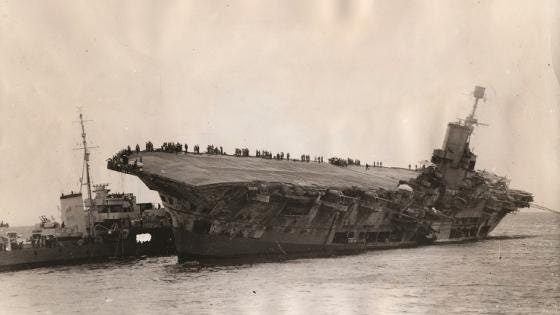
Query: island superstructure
{"x": 226, "y": 206}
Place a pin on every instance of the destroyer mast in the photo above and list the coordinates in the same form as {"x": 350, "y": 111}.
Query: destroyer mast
{"x": 86, "y": 166}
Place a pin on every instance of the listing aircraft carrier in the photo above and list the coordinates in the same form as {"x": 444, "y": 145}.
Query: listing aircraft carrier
{"x": 227, "y": 206}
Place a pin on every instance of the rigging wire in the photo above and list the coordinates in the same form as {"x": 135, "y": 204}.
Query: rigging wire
{"x": 536, "y": 206}
{"x": 82, "y": 177}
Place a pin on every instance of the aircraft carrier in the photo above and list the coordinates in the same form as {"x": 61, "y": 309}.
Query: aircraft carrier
{"x": 233, "y": 206}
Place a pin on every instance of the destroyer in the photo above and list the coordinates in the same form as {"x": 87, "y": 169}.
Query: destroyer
{"x": 231, "y": 206}
{"x": 100, "y": 226}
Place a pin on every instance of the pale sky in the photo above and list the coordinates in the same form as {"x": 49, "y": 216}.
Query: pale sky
{"x": 375, "y": 80}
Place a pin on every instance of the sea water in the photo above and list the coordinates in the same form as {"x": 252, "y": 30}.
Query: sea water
{"x": 516, "y": 270}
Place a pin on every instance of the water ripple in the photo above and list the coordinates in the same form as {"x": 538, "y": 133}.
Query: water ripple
{"x": 517, "y": 270}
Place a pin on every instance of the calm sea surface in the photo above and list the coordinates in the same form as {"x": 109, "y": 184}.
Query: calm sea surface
{"x": 442, "y": 279}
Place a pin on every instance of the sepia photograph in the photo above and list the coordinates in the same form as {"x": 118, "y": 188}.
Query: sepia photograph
{"x": 280, "y": 157}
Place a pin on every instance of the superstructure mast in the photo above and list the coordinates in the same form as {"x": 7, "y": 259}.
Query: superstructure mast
{"x": 470, "y": 121}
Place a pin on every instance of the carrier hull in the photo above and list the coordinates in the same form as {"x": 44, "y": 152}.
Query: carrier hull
{"x": 203, "y": 247}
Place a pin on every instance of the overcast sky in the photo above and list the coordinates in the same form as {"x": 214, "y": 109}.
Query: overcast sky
{"x": 376, "y": 80}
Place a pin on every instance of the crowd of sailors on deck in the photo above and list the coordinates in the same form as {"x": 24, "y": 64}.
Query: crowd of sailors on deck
{"x": 121, "y": 159}
{"x": 416, "y": 167}
{"x": 264, "y": 154}
{"x": 345, "y": 162}
{"x": 6, "y": 243}
{"x": 375, "y": 164}
{"x": 149, "y": 146}
{"x": 211, "y": 149}
{"x": 242, "y": 152}
{"x": 48, "y": 241}
{"x": 171, "y": 147}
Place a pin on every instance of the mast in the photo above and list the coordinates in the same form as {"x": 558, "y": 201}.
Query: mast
{"x": 86, "y": 165}
{"x": 86, "y": 160}
{"x": 478, "y": 93}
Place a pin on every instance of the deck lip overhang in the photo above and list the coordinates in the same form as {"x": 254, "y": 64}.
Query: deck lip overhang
{"x": 167, "y": 166}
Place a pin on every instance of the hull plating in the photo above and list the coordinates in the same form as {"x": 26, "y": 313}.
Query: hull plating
{"x": 231, "y": 221}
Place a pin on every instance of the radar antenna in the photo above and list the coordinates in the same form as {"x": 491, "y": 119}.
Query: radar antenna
{"x": 478, "y": 93}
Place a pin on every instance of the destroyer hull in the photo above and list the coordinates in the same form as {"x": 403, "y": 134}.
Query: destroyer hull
{"x": 38, "y": 257}
{"x": 161, "y": 244}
